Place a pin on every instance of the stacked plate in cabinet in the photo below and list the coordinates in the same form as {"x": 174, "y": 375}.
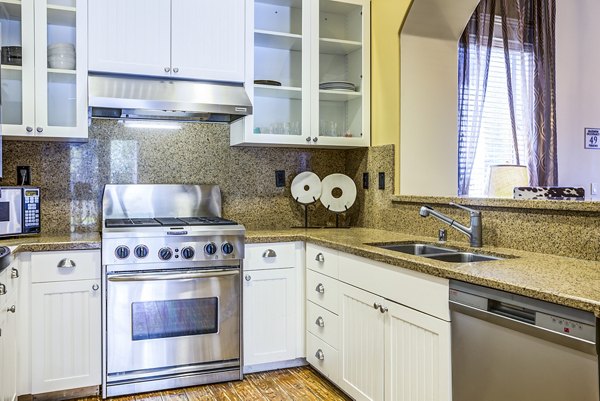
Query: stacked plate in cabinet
{"x": 338, "y": 85}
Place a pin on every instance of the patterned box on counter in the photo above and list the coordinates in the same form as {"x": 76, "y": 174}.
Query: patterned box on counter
{"x": 549, "y": 193}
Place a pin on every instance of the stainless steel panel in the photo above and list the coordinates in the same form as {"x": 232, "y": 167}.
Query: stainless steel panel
{"x": 12, "y": 204}
{"x": 166, "y": 99}
{"x": 123, "y": 354}
{"x": 495, "y": 363}
{"x": 160, "y": 200}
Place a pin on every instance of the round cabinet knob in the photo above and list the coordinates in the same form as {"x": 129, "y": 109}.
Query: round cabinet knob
{"x": 12, "y": 309}
{"x": 167, "y": 69}
{"x": 210, "y": 248}
{"x": 14, "y": 273}
{"x": 2, "y": 289}
{"x": 320, "y": 355}
{"x": 227, "y": 248}
{"x": 175, "y": 70}
{"x": 376, "y": 305}
{"x": 39, "y": 129}
{"x": 383, "y": 309}
{"x": 320, "y": 322}
{"x": 140, "y": 251}
{"x": 308, "y": 139}
{"x": 165, "y": 253}
{"x": 188, "y": 252}
{"x": 95, "y": 287}
{"x": 29, "y": 129}
{"x": 121, "y": 252}
{"x": 320, "y": 258}
{"x": 248, "y": 277}
{"x": 320, "y": 288}
{"x": 315, "y": 139}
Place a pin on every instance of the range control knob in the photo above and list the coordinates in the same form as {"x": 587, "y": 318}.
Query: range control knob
{"x": 227, "y": 248}
{"x": 122, "y": 252}
{"x": 140, "y": 251}
{"x": 165, "y": 253}
{"x": 210, "y": 248}
{"x": 187, "y": 252}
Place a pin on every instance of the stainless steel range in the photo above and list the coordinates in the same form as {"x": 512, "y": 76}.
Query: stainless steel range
{"x": 171, "y": 288}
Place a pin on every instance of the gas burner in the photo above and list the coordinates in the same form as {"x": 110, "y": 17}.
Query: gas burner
{"x": 145, "y": 222}
{"x": 206, "y": 221}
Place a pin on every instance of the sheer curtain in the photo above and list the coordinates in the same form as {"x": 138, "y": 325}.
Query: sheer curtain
{"x": 507, "y": 92}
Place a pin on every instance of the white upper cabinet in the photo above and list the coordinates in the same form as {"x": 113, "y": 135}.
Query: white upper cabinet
{"x": 44, "y": 92}
{"x": 308, "y": 73}
{"x": 130, "y": 37}
{"x": 207, "y": 39}
{"x": 191, "y": 39}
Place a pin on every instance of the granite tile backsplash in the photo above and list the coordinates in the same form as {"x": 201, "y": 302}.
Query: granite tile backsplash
{"x": 72, "y": 175}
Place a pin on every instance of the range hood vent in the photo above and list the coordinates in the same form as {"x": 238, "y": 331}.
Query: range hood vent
{"x": 135, "y": 98}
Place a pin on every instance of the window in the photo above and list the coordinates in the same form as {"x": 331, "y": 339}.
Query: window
{"x": 485, "y": 127}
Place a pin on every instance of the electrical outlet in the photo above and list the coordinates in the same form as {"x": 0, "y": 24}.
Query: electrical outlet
{"x": 365, "y": 180}
{"x": 23, "y": 175}
{"x": 280, "y": 178}
{"x": 594, "y": 188}
{"x": 381, "y": 180}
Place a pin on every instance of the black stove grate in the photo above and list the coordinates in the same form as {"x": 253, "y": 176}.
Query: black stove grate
{"x": 168, "y": 221}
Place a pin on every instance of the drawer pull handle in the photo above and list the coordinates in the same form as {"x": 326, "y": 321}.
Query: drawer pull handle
{"x": 66, "y": 263}
{"x": 320, "y": 289}
{"x": 320, "y": 322}
{"x": 14, "y": 273}
{"x": 320, "y": 355}
{"x": 269, "y": 253}
{"x": 376, "y": 305}
{"x": 12, "y": 309}
{"x": 2, "y": 289}
{"x": 383, "y": 309}
{"x": 95, "y": 287}
{"x": 320, "y": 258}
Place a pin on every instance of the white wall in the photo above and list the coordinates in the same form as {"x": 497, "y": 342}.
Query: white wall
{"x": 577, "y": 90}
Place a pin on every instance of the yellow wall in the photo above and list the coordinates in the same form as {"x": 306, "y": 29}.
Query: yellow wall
{"x": 386, "y": 20}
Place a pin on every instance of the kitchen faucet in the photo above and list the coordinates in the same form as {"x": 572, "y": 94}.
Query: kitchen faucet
{"x": 473, "y": 232}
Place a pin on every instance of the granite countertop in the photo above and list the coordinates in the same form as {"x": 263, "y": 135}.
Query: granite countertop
{"x": 565, "y": 281}
{"x": 53, "y": 242}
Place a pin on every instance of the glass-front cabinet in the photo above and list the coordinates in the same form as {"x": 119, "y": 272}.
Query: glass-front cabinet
{"x": 44, "y": 69}
{"x": 309, "y": 75}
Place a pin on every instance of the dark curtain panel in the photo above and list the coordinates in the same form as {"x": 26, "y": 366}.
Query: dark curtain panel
{"x": 474, "y": 52}
{"x": 528, "y": 27}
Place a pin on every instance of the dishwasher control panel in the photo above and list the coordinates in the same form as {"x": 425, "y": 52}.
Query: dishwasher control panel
{"x": 565, "y": 326}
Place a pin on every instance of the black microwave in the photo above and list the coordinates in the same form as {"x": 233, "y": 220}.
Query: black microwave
{"x": 19, "y": 211}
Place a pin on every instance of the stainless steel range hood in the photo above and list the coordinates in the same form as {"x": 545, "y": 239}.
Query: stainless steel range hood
{"x": 136, "y": 98}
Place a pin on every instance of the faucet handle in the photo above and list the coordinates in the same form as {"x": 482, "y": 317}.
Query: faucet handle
{"x": 471, "y": 211}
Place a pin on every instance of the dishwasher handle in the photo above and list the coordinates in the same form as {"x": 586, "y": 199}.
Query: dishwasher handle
{"x": 522, "y": 323}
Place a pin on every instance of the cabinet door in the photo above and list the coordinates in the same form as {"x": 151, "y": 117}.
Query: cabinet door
{"x": 66, "y": 335}
{"x": 207, "y": 39}
{"x": 18, "y": 114}
{"x": 61, "y": 69}
{"x": 130, "y": 37}
{"x": 270, "y": 319}
{"x": 8, "y": 337}
{"x": 417, "y": 356}
{"x": 362, "y": 344}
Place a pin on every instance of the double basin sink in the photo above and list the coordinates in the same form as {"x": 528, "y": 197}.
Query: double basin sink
{"x": 437, "y": 252}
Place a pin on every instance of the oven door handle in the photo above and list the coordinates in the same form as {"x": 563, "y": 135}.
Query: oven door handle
{"x": 172, "y": 276}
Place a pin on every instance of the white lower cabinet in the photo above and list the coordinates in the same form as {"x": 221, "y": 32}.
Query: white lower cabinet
{"x": 269, "y": 316}
{"x": 65, "y": 321}
{"x": 272, "y": 307}
{"x": 385, "y": 349}
{"x": 8, "y": 334}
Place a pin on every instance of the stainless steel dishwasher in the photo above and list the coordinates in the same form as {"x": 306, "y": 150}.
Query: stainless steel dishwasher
{"x": 507, "y": 347}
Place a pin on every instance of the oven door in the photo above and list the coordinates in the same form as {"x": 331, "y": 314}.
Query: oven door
{"x": 11, "y": 211}
{"x": 171, "y": 321}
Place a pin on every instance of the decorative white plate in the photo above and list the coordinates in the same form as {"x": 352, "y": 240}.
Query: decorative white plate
{"x": 306, "y": 187}
{"x": 345, "y": 200}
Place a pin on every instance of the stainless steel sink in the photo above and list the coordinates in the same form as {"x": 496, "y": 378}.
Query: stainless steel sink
{"x": 417, "y": 249}
{"x": 437, "y": 252}
{"x": 462, "y": 257}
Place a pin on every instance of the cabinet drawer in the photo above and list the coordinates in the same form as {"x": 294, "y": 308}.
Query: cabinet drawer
{"x": 322, "y": 260}
{"x": 329, "y": 364}
{"x": 45, "y": 266}
{"x": 322, "y": 290}
{"x": 323, "y": 324}
{"x": 279, "y": 255}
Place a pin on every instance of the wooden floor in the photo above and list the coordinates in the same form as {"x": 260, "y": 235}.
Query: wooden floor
{"x": 296, "y": 384}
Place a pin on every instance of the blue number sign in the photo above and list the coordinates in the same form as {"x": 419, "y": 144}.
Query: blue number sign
{"x": 592, "y": 138}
